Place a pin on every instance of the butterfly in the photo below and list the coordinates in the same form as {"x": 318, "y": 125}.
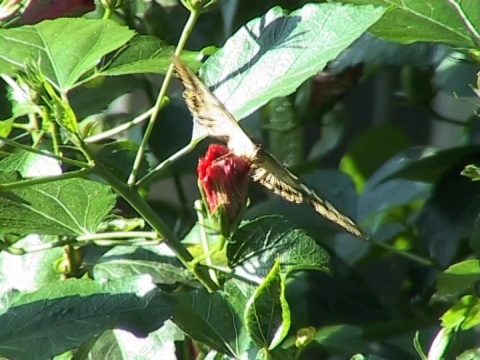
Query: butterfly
{"x": 217, "y": 122}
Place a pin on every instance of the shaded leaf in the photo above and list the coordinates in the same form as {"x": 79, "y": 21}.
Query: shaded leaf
{"x": 369, "y": 151}
{"x": 29, "y": 164}
{"x": 258, "y": 244}
{"x": 456, "y": 75}
{"x": 30, "y": 271}
{"x": 458, "y": 278}
{"x": 448, "y": 216}
{"x": 210, "y": 319}
{"x": 267, "y": 314}
{"x": 124, "y": 261}
{"x": 123, "y": 345}
{"x": 119, "y": 157}
{"x": 335, "y": 337}
{"x": 378, "y": 51}
{"x": 432, "y": 164}
{"x": 65, "y": 314}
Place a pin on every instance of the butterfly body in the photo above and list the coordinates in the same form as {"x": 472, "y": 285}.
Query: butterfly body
{"x": 217, "y": 122}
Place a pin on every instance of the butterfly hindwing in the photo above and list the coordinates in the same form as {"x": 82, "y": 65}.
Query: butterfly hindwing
{"x": 268, "y": 172}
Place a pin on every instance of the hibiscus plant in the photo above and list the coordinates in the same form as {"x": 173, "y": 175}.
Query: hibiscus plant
{"x": 127, "y": 233}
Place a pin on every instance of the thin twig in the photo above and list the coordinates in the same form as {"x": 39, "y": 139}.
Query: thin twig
{"x": 120, "y": 128}
{"x": 132, "y": 179}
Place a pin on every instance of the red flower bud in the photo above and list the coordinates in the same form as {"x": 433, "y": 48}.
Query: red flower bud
{"x": 223, "y": 178}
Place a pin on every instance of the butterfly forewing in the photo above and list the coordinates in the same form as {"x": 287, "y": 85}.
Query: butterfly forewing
{"x": 216, "y": 120}
{"x": 211, "y": 115}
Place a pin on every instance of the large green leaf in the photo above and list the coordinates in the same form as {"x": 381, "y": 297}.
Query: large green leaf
{"x": 146, "y": 54}
{"x": 65, "y": 314}
{"x": 124, "y": 261}
{"x": 409, "y": 21}
{"x": 370, "y": 150}
{"x": 273, "y": 55}
{"x": 458, "y": 278}
{"x": 30, "y": 271}
{"x": 63, "y": 207}
{"x": 429, "y": 164}
{"x": 29, "y": 164}
{"x": 65, "y": 49}
{"x": 285, "y": 137}
{"x": 259, "y": 243}
{"x": 123, "y": 345}
{"x": 378, "y": 51}
{"x": 212, "y": 320}
{"x": 267, "y": 315}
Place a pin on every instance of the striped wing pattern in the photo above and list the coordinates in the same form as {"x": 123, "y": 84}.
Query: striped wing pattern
{"x": 267, "y": 171}
{"x": 212, "y": 115}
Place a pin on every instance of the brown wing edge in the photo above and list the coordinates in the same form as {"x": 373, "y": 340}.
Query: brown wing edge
{"x": 269, "y": 173}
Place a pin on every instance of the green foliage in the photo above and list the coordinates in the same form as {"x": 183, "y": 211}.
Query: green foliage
{"x": 97, "y": 257}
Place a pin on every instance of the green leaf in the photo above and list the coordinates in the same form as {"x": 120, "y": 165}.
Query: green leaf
{"x": 273, "y": 55}
{"x": 124, "y": 261}
{"x": 119, "y": 157}
{"x": 146, "y": 54}
{"x": 30, "y": 271}
{"x": 267, "y": 315}
{"x": 472, "y": 172}
{"x": 5, "y": 127}
{"x": 63, "y": 207}
{"x": 259, "y": 243}
{"x": 369, "y": 49}
{"x": 212, "y": 320}
{"x": 432, "y": 164}
{"x": 285, "y": 135}
{"x": 458, "y": 278}
{"x": 335, "y": 337}
{"x": 369, "y": 151}
{"x": 456, "y": 74}
{"x": 65, "y": 314}
{"x": 29, "y": 165}
{"x": 104, "y": 93}
{"x": 464, "y": 315}
{"x": 65, "y": 49}
{"x": 124, "y": 345}
{"x": 408, "y": 21}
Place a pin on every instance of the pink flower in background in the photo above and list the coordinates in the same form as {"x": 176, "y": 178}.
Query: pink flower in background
{"x": 38, "y": 10}
{"x": 223, "y": 179}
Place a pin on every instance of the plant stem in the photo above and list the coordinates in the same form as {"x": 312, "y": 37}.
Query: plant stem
{"x": 108, "y": 13}
{"x": 167, "y": 162}
{"x": 44, "y": 179}
{"x": 204, "y": 240}
{"x": 163, "y": 91}
{"x": 44, "y": 153}
{"x": 146, "y": 212}
{"x": 118, "y": 129}
{"x": 418, "y": 259}
{"x": 118, "y": 235}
